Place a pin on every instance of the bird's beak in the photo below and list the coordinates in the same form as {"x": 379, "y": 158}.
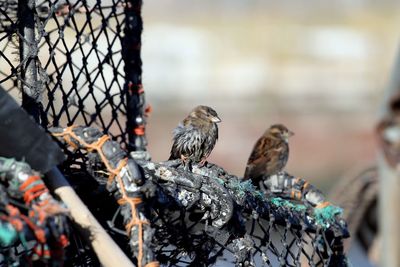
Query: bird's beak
{"x": 288, "y": 134}
{"x": 215, "y": 119}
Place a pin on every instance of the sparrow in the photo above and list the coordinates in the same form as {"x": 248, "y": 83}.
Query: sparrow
{"x": 270, "y": 153}
{"x": 195, "y": 136}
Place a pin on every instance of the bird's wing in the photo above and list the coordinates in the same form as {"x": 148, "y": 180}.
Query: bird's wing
{"x": 265, "y": 151}
{"x": 257, "y": 158}
{"x": 260, "y": 150}
{"x": 187, "y": 138}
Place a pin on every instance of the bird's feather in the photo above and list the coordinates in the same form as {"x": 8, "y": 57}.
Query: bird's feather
{"x": 195, "y": 136}
{"x": 269, "y": 155}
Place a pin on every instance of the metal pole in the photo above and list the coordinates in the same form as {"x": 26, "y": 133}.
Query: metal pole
{"x": 131, "y": 46}
{"x": 31, "y": 93}
{"x": 388, "y": 131}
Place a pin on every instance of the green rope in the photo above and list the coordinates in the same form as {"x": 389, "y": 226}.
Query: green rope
{"x": 220, "y": 181}
{"x": 244, "y": 188}
{"x": 322, "y": 216}
{"x": 8, "y": 234}
{"x": 327, "y": 215}
{"x": 280, "y": 202}
{"x": 23, "y": 240}
{"x": 7, "y": 163}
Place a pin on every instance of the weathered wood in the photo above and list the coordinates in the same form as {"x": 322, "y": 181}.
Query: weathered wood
{"x": 108, "y": 253}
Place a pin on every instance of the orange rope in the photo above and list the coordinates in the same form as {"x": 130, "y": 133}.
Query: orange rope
{"x": 34, "y": 192}
{"x": 98, "y": 144}
{"x": 94, "y": 146}
{"x": 139, "y": 130}
{"x": 135, "y": 200}
{"x": 39, "y": 232}
{"x": 13, "y": 211}
{"x": 322, "y": 205}
{"x": 148, "y": 110}
{"x": 294, "y": 194}
{"x": 14, "y": 220}
{"x": 66, "y": 137}
{"x": 135, "y": 218}
{"x": 115, "y": 173}
{"x": 306, "y": 184}
{"x": 28, "y": 181}
{"x": 153, "y": 264}
{"x": 63, "y": 241}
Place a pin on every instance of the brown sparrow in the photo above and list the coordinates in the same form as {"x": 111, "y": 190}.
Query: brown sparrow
{"x": 195, "y": 136}
{"x": 270, "y": 153}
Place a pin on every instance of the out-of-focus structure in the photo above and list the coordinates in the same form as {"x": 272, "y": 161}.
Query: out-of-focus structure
{"x": 388, "y": 132}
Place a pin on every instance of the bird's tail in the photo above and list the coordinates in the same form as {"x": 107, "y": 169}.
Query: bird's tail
{"x": 247, "y": 173}
{"x": 173, "y": 155}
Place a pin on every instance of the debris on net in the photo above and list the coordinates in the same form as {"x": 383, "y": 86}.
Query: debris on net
{"x": 32, "y": 222}
{"x": 280, "y": 202}
{"x": 204, "y": 216}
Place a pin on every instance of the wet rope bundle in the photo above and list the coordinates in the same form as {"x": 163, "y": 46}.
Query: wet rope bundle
{"x": 29, "y": 213}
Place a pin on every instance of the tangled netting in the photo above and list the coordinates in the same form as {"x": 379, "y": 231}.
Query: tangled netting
{"x": 206, "y": 215}
{"x": 76, "y": 61}
{"x": 73, "y": 62}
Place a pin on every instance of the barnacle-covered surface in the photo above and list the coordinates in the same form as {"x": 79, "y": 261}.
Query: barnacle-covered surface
{"x": 203, "y": 215}
{"x": 210, "y": 216}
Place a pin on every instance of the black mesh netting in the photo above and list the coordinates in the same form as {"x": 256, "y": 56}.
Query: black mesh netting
{"x": 78, "y": 62}
{"x": 67, "y": 57}
{"x": 212, "y": 217}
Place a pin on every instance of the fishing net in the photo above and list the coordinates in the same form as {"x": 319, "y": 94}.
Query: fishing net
{"x": 78, "y": 63}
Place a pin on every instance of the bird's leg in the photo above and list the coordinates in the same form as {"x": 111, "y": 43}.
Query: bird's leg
{"x": 203, "y": 162}
{"x": 186, "y": 163}
{"x": 184, "y": 159}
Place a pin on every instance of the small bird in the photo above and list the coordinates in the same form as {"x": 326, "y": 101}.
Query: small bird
{"x": 195, "y": 136}
{"x": 270, "y": 153}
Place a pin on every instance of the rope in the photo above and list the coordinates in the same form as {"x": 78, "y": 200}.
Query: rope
{"x": 152, "y": 264}
{"x": 133, "y": 201}
{"x": 96, "y": 146}
{"x": 33, "y": 188}
{"x": 322, "y": 205}
{"x": 16, "y": 219}
{"x": 139, "y": 130}
{"x": 114, "y": 173}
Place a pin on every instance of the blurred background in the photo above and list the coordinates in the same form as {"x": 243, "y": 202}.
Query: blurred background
{"x": 318, "y": 67}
